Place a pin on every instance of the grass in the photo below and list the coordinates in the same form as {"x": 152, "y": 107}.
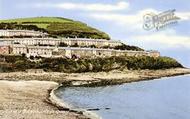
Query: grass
{"x": 44, "y": 26}
{"x": 38, "y": 19}
{"x": 58, "y": 26}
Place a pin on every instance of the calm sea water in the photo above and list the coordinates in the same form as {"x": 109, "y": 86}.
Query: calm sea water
{"x": 156, "y": 99}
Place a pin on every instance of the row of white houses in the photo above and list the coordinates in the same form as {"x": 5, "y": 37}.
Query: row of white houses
{"x": 13, "y": 33}
{"x": 69, "y": 52}
{"x": 57, "y": 41}
{"x": 62, "y": 47}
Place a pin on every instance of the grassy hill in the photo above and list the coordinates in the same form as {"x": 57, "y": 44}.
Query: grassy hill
{"x": 55, "y": 26}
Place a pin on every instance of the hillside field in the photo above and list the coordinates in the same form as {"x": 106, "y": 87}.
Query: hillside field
{"x": 55, "y": 26}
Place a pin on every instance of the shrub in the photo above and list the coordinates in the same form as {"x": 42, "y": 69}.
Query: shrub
{"x": 20, "y": 63}
{"x": 127, "y": 47}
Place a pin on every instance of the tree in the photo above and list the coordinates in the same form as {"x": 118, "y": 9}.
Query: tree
{"x": 75, "y": 45}
{"x": 32, "y": 57}
{"x": 127, "y": 47}
{"x": 23, "y": 55}
{"x": 92, "y": 46}
{"x": 62, "y": 44}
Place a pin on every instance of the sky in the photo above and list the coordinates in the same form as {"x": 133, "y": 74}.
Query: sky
{"x": 121, "y": 19}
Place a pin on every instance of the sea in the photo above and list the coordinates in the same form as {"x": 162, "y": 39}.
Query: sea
{"x": 165, "y": 98}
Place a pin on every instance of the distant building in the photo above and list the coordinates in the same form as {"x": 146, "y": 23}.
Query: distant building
{"x": 33, "y": 50}
{"x": 46, "y": 51}
{"x": 89, "y": 42}
{"x": 4, "y": 49}
{"x": 81, "y": 42}
{"x": 35, "y": 71}
{"x": 22, "y": 33}
{"x": 4, "y": 41}
{"x": 72, "y": 47}
{"x": 154, "y": 53}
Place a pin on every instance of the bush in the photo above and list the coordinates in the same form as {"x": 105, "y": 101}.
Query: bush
{"x": 20, "y": 63}
{"x": 127, "y": 47}
{"x": 62, "y": 44}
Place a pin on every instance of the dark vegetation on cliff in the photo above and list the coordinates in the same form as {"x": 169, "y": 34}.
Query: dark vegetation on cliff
{"x": 55, "y": 26}
{"x": 119, "y": 47}
{"x": 128, "y": 47}
{"x": 21, "y": 63}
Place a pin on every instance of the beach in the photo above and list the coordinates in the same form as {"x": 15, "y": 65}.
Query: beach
{"x": 29, "y": 100}
{"x": 27, "y": 95}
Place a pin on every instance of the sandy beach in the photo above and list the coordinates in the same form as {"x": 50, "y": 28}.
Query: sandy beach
{"x": 26, "y": 95}
{"x": 28, "y": 100}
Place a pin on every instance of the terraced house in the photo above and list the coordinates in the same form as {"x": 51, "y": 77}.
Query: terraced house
{"x": 81, "y": 42}
{"x": 70, "y": 52}
{"x": 21, "y": 33}
{"x": 67, "y": 47}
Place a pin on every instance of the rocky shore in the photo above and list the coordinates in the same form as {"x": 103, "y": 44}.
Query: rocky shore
{"x": 30, "y": 95}
{"x": 124, "y": 76}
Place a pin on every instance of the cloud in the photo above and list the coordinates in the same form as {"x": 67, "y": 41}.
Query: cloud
{"x": 133, "y": 21}
{"x": 185, "y": 16}
{"x": 100, "y": 7}
{"x": 164, "y": 39}
{"x": 132, "y": 24}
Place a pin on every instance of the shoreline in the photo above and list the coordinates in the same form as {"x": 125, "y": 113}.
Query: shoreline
{"x": 64, "y": 106}
{"x": 95, "y": 78}
{"x": 79, "y": 79}
{"x": 61, "y": 78}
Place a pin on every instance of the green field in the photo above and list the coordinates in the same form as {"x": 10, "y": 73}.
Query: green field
{"x": 55, "y": 26}
{"x": 38, "y": 19}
